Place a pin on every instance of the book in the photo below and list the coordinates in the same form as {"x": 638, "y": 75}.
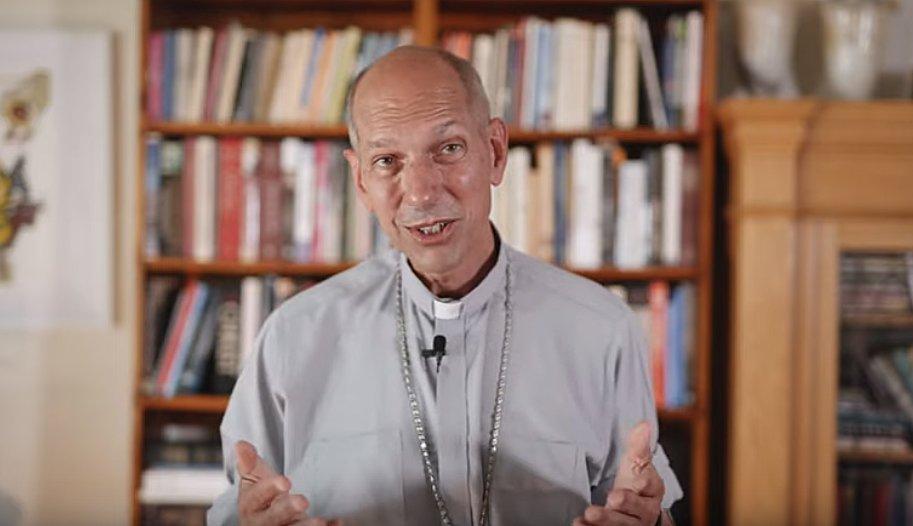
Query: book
{"x": 625, "y": 76}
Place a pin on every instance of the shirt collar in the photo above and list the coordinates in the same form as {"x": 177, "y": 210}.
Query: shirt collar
{"x": 445, "y": 308}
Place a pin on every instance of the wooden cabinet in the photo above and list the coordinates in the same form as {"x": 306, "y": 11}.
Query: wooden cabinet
{"x": 810, "y": 181}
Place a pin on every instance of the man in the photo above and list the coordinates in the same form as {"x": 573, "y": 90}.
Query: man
{"x": 453, "y": 380}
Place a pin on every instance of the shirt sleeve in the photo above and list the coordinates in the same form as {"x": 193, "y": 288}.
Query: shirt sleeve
{"x": 628, "y": 374}
{"x": 255, "y": 413}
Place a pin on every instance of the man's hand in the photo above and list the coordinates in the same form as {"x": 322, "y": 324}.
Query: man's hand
{"x": 638, "y": 490}
{"x": 263, "y": 495}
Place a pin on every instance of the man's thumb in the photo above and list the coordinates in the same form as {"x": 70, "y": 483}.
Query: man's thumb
{"x": 247, "y": 457}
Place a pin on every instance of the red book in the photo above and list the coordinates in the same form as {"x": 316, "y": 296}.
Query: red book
{"x": 216, "y": 72}
{"x": 659, "y": 315}
{"x": 230, "y": 202}
{"x": 187, "y": 197}
{"x": 175, "y": 331}
{"x": 156, "y": 65}
{"x": 269, "y": 180}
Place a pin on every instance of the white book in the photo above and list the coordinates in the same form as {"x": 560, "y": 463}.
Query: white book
{"x": 249, "y": 250}
{"x": 483, "y": 61}
{"x": 518, "y": 159}
{"x": 184, "y": 54}
{"x": 333, "y": 47}
{"x": 251, "y": 315}
{"x": 651, "y": 76}
{"x": 304, "y": 205}
{"x": 237, "y": 39}
{"x": 672, "y": 159}
{"x": 565, "y": 79}
{"x": 691, "y": 89}
{"x": 602, "y": 44}
{"x": 585, "y": 222}
{"x": 282, "y": 97}
{"x": 182, "y": 485}
{"x": 204, "y": 193}
{"x": 583, "y": 71}
{"x": 358, "y": 225}
{"x": 530, "y": 72}
{"x": 500, "y": 93}
{"x": 624, "y": 102}
{"x": 204, "y": 36}
{"x": 544, "y": 237}
{"x": 631, "y": 249}
{"x": 348, "y": 55}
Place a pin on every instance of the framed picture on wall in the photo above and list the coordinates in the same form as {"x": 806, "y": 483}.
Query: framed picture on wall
{"x": 56, "y": 179}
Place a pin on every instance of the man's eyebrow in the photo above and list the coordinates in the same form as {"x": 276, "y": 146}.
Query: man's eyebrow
{"x": 379, "y": 143}
{"x": 441, "y": 128}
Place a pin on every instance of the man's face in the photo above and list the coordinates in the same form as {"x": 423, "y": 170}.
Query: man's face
{"x": 424, "y": 166}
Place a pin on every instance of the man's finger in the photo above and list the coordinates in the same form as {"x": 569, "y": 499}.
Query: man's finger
{"x": 259, "y": 496}
{"x": 285, "y": 509}
{"x": 604, "y": 517}
{"x": 650, "y": 484}
{"x": 251, "y": 468}
{"x": 629, "y": 503}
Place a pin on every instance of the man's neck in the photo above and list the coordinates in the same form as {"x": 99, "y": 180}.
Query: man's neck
{"x": 449, "y": 286}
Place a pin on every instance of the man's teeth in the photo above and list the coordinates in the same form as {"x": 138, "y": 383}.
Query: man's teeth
{"x": 433, "y": 229}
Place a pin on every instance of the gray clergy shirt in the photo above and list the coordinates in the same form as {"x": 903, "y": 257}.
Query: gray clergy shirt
{"x": 323, "y": 400}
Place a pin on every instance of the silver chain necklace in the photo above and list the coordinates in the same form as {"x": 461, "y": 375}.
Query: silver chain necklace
{"x": 419, "y": 423}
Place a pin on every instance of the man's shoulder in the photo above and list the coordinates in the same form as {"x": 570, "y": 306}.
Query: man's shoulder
{"x": 561, "y": 288}
{"x": 342, "y": 292}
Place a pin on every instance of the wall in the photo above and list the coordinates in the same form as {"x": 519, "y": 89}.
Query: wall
{"x": 65, "y": 396}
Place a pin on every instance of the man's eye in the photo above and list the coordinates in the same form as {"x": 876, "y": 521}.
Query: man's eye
{"x": 383, "y": 162}
{"x": 453, "y": 148}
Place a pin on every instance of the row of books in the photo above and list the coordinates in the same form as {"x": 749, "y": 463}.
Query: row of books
{"x": 890, "y": 375}
{"x": 242, "y": 199}
{"x": 882, "y": 497}
{"x": 668, "y": 315}
{"x": 876, "y": 283}
{"x": 240, "y": 74}
{"x": 572, "y": 74}
{"x": 182, "y": 467}
{"x": 863, "y": 426}
{"x": 199, "y": 334}
{"x": 584, "y": 205}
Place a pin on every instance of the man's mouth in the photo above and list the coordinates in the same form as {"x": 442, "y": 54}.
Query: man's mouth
{"x": 432, "y": 232}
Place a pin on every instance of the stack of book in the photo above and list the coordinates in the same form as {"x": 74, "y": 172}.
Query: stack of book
{"x": 200, "y": 333}
{"x": 242, "y": 199}
{"x": 573, "y": 74}
{"x": 667, "y": 313}
{"x": 578, "y": 204}
{"x": 238, "y": 74}
{"x": 877, "y": 286}
{"x": 183, "y": 469}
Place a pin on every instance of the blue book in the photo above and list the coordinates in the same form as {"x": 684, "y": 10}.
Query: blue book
{"x": 544, "y": 78}
{"x": 153, "y": 185}
{"x": 561, "y": 181}
{"x": 198, "y": 303}
{"x": 307, "y": 88}
{"x": 675, "y": 351}
{"x": 168, "y": 87}
{"x": 667, "y": 74}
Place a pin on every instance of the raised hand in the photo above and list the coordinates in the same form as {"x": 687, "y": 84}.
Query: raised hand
{"x": 264, "y": 497}
{"x": 638, "y": 490}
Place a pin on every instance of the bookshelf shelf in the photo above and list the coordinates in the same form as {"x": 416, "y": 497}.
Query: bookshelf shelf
{"x": 317, "y": 131}
{"x": 319, "y": 270}
{"x": 878, "y": 321}
{"x": 875, "y": 457}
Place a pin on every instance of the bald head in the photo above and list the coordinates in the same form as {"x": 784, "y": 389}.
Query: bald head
{"x": 416, "y": 66}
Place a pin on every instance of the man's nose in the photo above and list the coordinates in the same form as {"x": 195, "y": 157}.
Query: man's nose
{"x": 422, "y": 182}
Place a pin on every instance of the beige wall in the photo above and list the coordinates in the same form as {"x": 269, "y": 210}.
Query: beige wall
{"x": 65, "y": 410}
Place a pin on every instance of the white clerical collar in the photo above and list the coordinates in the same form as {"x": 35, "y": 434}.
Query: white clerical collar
{"x": 448, "y": 309}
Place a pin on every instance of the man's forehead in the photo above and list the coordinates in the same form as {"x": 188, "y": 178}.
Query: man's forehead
{"x": 385, "y": 134}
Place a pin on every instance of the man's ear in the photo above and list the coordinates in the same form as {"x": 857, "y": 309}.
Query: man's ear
{"x": 497, "y": 143}
{"x": 355, "y": 173}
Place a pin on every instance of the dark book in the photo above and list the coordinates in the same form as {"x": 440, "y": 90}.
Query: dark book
{"x": 191, "y": 379}
{"x": 227, "y": 357}
{"x": 161, "y": 295}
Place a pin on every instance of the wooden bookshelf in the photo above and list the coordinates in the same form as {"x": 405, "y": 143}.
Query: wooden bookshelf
{"x": 428, "y": 19}
{"x": 637, "y": 135}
